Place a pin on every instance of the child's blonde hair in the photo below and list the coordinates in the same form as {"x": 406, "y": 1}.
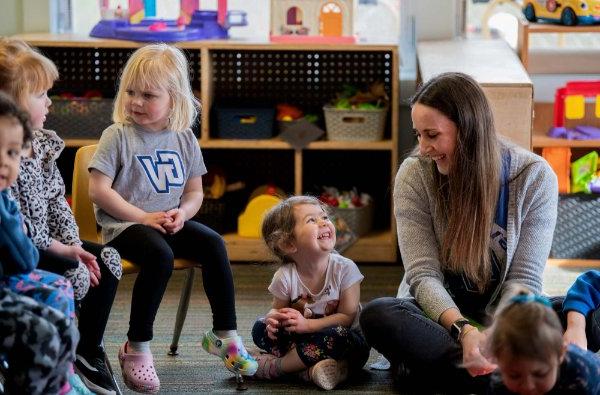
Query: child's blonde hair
{"x": 164, "y": 66}
{"x": 23, "y": 70}
{"x": 525, "y": 326}
{"x": 279, "y": 222}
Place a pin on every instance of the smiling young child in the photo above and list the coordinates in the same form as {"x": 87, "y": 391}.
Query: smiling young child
{"x": 312, "y": 327}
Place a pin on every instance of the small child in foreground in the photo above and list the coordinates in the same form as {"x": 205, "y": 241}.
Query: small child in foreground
{"x": 526, "y": 341}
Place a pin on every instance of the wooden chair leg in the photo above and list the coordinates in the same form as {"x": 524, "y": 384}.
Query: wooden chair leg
{"x": 184, "y": 301}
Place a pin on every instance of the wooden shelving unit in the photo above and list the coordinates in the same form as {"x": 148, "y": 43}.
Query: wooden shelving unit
{"x": 307, "y": 75}
{"x": 526, "y": 28}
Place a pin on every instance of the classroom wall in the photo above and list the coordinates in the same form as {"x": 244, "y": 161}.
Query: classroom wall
{"x": 13, "y": 19}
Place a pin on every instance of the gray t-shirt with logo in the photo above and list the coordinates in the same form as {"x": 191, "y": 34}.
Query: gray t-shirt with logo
{"x": 148, "y": 169}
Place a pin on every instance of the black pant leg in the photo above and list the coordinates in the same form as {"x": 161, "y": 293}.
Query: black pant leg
{"x": 200, "y": 243}
{"x": 96, "y": 305}
{"x": 401, "y": 331}
{"x": 148, "y": 249}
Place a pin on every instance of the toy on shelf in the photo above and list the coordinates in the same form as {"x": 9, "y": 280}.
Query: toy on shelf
{"x": 355, "y": 209}
{"x": 583, "y": 174}
{"x": 566, "y": 12}
{"x": 139, "y": 23}
{"x": 357, "y": 115}
{"x": 313, "y": 21}
{"x": 262, "y": 200}
{"x": 570, "y": 103}
{"x": 297, "y": 128}
{"x": 559, "y": 159}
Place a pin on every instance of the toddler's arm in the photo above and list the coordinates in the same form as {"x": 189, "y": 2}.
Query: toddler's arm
{"x": 109, "y": 200}
{"x": 76, "y": 252}
{"x": 582, "y": 298}
{"x": 346, "y": 311}
{"x": 575, "y": 333}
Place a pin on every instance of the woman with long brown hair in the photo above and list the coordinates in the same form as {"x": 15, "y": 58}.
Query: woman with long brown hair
{"x": 474, "y": 214}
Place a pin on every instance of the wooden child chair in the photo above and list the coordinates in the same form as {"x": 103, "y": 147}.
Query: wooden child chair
{"x": 86, "y": 220}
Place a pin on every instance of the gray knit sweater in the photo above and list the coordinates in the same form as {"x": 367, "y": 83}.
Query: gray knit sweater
{"x": 532, "y": 204}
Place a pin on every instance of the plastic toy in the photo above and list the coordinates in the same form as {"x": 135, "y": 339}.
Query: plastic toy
{"x": 142, "y": 25}
{"x": 570, "y": 103}
{"x": 583, "y": 171}
{"x": 567, "y": 12}
{"x": 261, "y": 200}
{"x": 313, "y": 21}
{"x": 559, "y": 158}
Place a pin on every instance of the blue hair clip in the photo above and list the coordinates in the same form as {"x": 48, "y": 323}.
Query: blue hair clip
{"x": 531, "y": 298}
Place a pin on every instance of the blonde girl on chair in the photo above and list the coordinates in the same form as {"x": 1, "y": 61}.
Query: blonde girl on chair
{"x": 146, "y": 182}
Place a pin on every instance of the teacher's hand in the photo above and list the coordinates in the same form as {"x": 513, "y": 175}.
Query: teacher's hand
{"x": 473, "y": 359}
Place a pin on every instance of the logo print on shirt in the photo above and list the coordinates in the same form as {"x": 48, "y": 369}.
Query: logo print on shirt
{"x": 164, "y": 172}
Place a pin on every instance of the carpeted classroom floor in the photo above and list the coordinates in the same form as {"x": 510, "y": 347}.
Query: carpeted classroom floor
{"x": 194, "y": 371}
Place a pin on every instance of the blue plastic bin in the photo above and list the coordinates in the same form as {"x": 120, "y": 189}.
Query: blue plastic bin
{"x": 245, "y": 122}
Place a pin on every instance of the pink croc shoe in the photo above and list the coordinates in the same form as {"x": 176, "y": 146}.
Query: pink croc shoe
{"x": 138, "y": 371}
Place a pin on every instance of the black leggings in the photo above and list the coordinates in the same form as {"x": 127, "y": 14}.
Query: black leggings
{"x": 154, "y": 252}
{"x": 94, "y": 309}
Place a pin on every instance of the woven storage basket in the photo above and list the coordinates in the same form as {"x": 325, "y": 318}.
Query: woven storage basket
{"x": 79, "y": 117}
{"x": 359, "y": 219}
{"x": 358, "y": 125}
{"x": 576, "y": 234}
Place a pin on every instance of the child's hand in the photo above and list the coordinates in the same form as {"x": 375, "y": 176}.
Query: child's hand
{"x": 156, "y": 220}
{"x": 473, "y": 359}
{"x": 177, "y": 220}
{"x": 273, "y": 320}
{"x": 88, "y": 259}
{"x": 295, "y": 321}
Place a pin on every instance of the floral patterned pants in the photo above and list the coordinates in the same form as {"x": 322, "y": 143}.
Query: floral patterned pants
{"x": 336, "y": 342}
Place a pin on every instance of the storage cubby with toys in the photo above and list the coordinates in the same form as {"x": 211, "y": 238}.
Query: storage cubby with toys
{"x": 304, "y": 75}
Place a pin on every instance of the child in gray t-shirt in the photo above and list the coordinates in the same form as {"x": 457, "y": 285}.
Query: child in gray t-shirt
{"x": 146, "y": 183}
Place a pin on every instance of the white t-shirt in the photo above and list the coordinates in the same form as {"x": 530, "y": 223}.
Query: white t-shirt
{"x": 341, "y": 274}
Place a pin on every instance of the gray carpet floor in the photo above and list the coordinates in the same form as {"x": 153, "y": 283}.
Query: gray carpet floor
{"x": 195, "y": 371}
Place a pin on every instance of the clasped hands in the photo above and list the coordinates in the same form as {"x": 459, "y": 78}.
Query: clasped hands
{"x": 287, "y": 319}
{"x": 165, "y": 222}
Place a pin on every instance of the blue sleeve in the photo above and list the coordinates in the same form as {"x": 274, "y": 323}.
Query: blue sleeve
{"x": 17, "y": 252}
{"x": 584, "y": 294}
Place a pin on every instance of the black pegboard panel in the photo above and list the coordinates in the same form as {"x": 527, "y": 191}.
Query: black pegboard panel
{"x": 82, "y": 69}
{"x": 306, "y": 78}
{"x": 577, "y": 233}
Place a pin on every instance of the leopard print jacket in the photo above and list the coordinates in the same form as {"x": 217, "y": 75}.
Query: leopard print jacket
{"x": 40, "y": 194}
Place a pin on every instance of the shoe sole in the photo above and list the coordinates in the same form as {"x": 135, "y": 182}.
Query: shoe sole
{"x": 91, "y": 386}
{"x": 325, "y": 374}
